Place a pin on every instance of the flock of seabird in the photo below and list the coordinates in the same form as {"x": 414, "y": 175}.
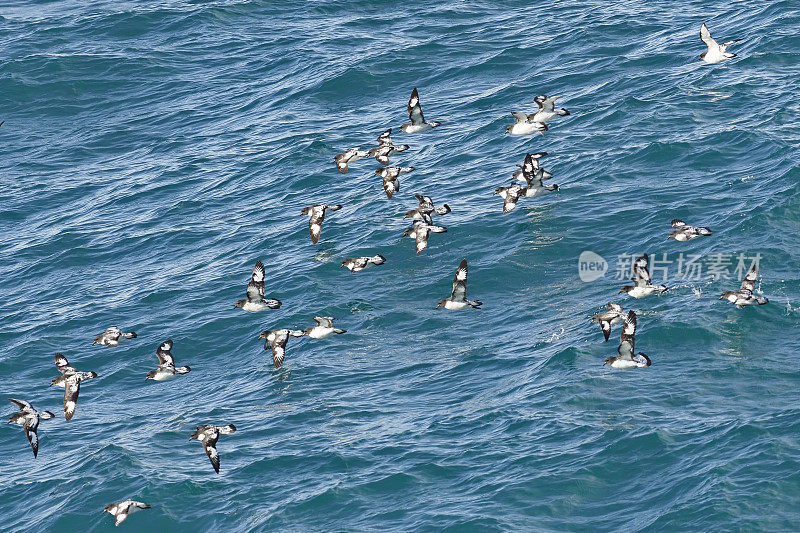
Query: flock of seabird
{"x": 528, "y": 182}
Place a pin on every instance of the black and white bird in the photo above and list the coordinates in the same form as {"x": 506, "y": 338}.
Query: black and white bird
{"x": 324, "y": 328}
{"x": 627, "y": 358}
{"x": 349, "y": 156}
{"x": 70, "y": 379}
{"x": 276, "y": 341}
{"x": 531, "y": 166}
{"x": 317, "y": 213}
{"x": 612, "y": 315}
{"x": 510, "y": 195}
{"x": 255, "y": 300}
{"x": 421, "y": 230}
{"x": 121, "y": 510}
{"x": 744, "y": 296}
{"x": 716, "y": 53}
{"x": 29, "y": 418}
{"x": 357, "y": 264}
{"x": 534, "y": 186}
{"x": 641, "y": 278}
{"x": 684, "y": 232}
{"x": 208, "y": 435}
{"x": 547, "y": 110}
{"x": 166, "y": 364}
{"x": 458, "y": 298}
{"x": 386, "y": 148}
{"x": 112, "y": 336}
{"x": 418, "y": 122}
{"x": 390, "y": 175}
{"x": 525, "y": 125}
{"x": 426, "y": 208}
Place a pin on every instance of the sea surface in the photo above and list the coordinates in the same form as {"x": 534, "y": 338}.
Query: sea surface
{"x": 153, "y": 151}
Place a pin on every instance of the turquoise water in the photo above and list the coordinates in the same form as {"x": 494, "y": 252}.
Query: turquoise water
{"x": 152, "y": 153}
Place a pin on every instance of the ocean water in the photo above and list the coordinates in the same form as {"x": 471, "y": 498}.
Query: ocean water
{"x": 152, "y": 152}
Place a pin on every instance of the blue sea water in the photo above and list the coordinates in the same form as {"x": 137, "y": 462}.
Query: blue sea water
{"x": 152, "y": 152}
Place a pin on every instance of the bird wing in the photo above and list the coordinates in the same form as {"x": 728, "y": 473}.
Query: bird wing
{"x": 23, "y": 405}
{"x": 324, "y": 321}
{"x": 210, "y": 446}
{"x": 164, "y": 353}
{"x": 460, "y": 282}
{"x": 640, "y": 273}
{"x": 520, "y": 116}
{"x": 72, "y": 388}
{"x": 749, "y": 282}
{"x": 385, "y": 137}
{"x": 626, "y": 339}
{"x": 677, "y": 223}
{"x": 62, "y": 365}
{"x": 255, "y": 289}
{"x": 414, "y": 109}
{"x": 705, "y": 35}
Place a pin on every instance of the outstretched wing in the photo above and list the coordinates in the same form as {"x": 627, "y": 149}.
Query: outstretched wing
{"x": 749, "y": 282}
{"x": 324, "y": 321}
{"x": 72, "y": 388}
{"x": 460, "y": 282}
{"x": 640, "y": 273}
{"x": 414, "y": 109}
{"x": 255, "y": 289}
{"x": 385, "y": 137}
{"x": 164, "y": 353}
{"x": 33, "y": 439}
{"x": 210, "y": 446}
{"x": 315, "y": 222}
{"x": 626, "y": 339}
{"x": 520, "y": 116}
{"x": 62, "y": 365}
{"x": 705, "y": 35}
{"x": 23, "y": 405}
{"x": 677, "y": 223}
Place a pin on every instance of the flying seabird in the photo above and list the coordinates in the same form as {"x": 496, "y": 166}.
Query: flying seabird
{"x": 547, "y": 110}
{"x": 744, "y": 296}
{"x": 684, "y": 232}
{"x": 350, "y": 156}
{"x": 525, "y": 125}
{"x": 255, "y": 300}
{"x": 276, "y": 341}
{"x": 166, "y": 364}
{"x": 317, "y": 213}
{"x": 641, "y": 278}
{"x": 421, "y": 230}
{"x": 386, "y": 148}
{"x": 390, "y": 175}
{"x": 627, "y": 358}
{"x": 458, "y": 298}
{"x": 121, "y": 510}
{"x": 70, "y": 379}
{"x": 324, "y": 328}
{"x": 28, "y": 418}
{"x": 112, "y": 336}
{"x": 510, "y": 195}
{"x": 208, "y": 436}
{"x": 418, "y": 122}
{"x": 426, "y": 207}
{"x": 531, "y": 166}
{"x": 357, "y": 264}
{"x": 612, "y": 315}
{"x": 716, "y": 52}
